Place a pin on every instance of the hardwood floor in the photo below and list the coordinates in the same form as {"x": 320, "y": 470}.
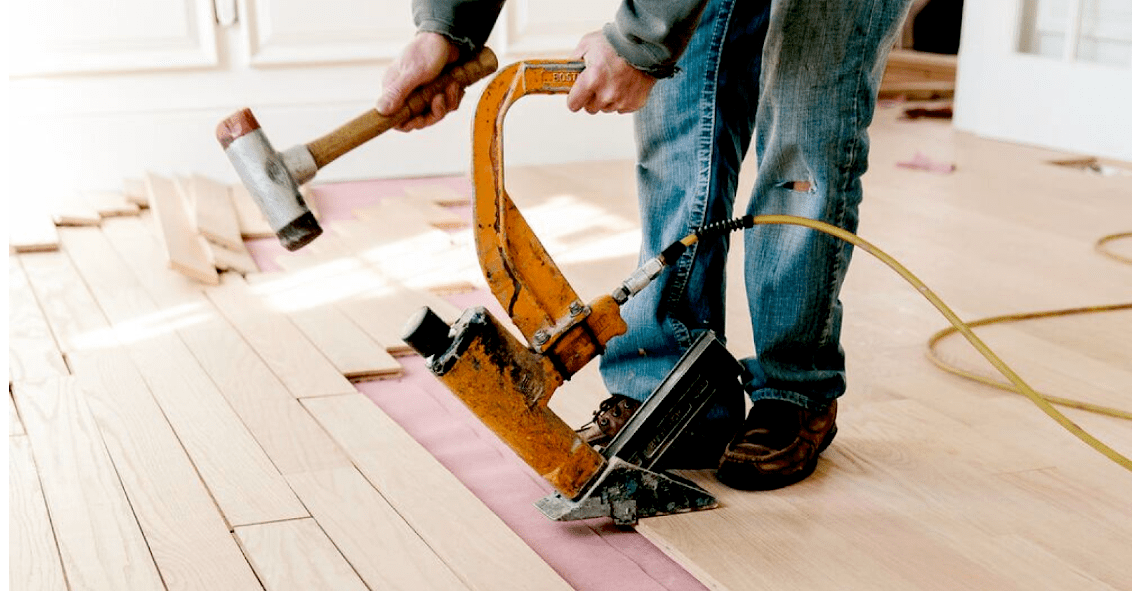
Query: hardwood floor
{"x": 167, "y": 434}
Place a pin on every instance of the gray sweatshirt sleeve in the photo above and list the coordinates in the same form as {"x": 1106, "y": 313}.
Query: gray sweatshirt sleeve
{"x": 652, "y": 34}
{"x": 466, "y": 22}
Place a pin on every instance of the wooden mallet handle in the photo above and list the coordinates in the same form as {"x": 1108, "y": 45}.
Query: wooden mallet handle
{"x": 365, "y": 127}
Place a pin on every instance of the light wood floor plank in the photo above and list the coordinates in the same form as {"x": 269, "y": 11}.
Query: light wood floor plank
{"x": 32, "y": 350}
{"x": 485, "y": 553}
{"x": 296, "y": 555}
{"x": 246, "y": 485}
{"x": 133, "y": 188}
{"x": 385, "y": 551}
{"x": 215, "y": 215}
{"x": 287, "y": 433}
{"x": 100, "y": 543}
{"x": 352, "y": 352}
{"x": 30, "y": 228}
{"x": 74, "y": 316}
{"x": 183, "y": 247}
{"x": 33, "y": 556}
{"x": 185, "y": 531}
{"x": 298, "y": 363}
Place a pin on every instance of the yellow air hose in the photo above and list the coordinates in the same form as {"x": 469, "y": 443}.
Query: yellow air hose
{"x": 1017, "y": 384}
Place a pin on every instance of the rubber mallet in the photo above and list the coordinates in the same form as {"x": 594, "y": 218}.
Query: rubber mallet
{"x": 273, "y": 178}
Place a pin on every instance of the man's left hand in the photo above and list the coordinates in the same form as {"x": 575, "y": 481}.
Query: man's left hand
{"x": 609, "y": 83}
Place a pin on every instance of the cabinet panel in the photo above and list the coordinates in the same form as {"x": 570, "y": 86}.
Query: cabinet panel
{"x": 295, "y": 32}
{"x": 552, "y": 26}
{"x": 62, "y": 37}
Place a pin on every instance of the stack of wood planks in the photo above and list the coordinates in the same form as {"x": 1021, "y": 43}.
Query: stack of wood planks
{"x": 917, "y": 75}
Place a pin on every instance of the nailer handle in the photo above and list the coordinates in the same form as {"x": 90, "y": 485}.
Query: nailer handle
{"x": 370, "y": 124}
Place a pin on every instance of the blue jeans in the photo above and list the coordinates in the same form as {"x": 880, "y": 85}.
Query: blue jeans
{"x": 802, "y": 75}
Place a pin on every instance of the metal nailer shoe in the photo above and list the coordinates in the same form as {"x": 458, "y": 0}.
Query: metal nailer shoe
{"x": 609, "y": 418}
{"x": 777, "y": 446}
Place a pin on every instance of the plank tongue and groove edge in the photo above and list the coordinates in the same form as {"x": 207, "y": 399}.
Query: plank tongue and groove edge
{"x": 184, "y": 529}
{"x": 33, "y": 557}
{"x": 32, "y": 351}
{"x": 184, "y": 248}
{"x": 483, "y": 552}
{"x": 354, "y": 353}
{"x": 298, "y": 363}
{"x": 100, "y": 543}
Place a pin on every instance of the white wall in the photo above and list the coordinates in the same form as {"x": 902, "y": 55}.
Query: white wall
{"x": 124, "y": 86}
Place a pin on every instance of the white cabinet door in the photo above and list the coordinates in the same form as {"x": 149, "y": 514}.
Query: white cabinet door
{"x": 59, "y": 36}
{"x": 530, "y": 27}
{"x": 1055, "y": 73}
{"x": 301, "y": 32}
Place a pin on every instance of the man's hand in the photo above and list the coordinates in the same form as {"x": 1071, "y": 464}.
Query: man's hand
{"x": 420, "y": 63}
{"x": 608, "y": 83}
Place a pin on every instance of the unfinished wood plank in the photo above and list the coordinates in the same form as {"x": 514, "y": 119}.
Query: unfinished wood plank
{"x": 133, "y": 189}
{"x": 382, "y": 315}
{"x": 76, "y": 218}
{"x": 33, "y": 557}
{"x": 246, "y": 485}
{"x": 183, "y": 246}
{"x": 372, "y": 535}
{"x": 237, "y": 260}
{"x": 100, "y": 543}
{"x": 437, "y": 215}
{"x": 185, "y": 531}
{"x": 296, "y": 555}
{"x": 283, "y": 428}
{"x": 440, "y": 194}
{"x": 405, "y": 249}
{"x": 485, "y": 554}
{"x": 76, "y": 320}
{"x": 32, "y": 351}
{"x": 110, "y": 204}
{"x": 390, "y": 221}
{"x": 30, "y": 228}
{"x": 353, "y": 353}
{"x": 253, "y": 225}
{"x": 215, "y": 216}
{"x": 298, "y": 363}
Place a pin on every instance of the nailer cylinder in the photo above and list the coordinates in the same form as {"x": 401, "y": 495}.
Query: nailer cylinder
{"x": 507, "y": 386}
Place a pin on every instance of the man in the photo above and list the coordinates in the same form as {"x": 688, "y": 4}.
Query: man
{"x": 702, "y": 76}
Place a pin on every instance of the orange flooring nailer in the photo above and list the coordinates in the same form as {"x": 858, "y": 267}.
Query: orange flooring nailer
{"x": 508, "y": 385}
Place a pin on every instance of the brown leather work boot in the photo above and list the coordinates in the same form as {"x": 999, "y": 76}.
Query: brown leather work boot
{"x": 609, "y": 418}
{"x": 777, "y": 446}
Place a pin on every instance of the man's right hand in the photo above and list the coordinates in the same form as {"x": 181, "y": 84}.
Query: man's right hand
{"x": 420, "y": 63}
